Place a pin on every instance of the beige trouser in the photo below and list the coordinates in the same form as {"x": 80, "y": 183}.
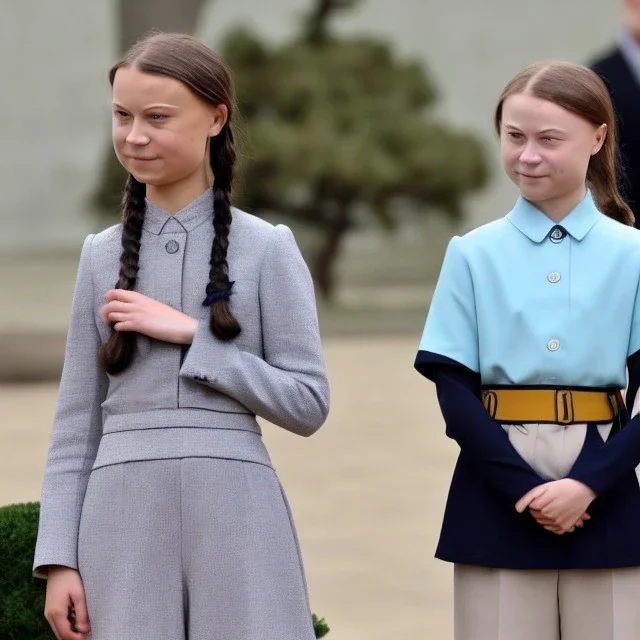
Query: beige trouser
{"x": 500, "y": 604}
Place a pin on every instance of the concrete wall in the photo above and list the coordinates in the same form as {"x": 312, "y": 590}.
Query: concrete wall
{"x": 54, "y": 107}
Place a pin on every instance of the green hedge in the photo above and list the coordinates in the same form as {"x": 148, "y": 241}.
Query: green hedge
{"x": 22, "y": 597}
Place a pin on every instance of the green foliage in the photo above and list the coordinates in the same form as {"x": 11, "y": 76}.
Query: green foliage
{"x": 320, "y": 627}
{"x": 21, "y": 597}
{"x": 339, "y": 133}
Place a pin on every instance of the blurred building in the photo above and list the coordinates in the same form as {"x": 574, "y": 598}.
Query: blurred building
{"x": 55, "y": 105}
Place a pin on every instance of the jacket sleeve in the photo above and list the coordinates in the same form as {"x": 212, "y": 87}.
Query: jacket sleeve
{"x": 288, "y": 386}
{"x": 449, "y": 355}
{"x": 76, "y": 430}
{"x": 620, "y": 454}
{"x": 481, "y": 439}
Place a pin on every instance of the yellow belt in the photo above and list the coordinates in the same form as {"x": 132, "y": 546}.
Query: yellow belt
{"x": 558, "y": 406}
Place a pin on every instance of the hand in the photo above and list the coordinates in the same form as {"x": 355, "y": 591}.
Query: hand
{"x": 561, "y": 504}
{"x": 548, "y": 523}
{"x": 132, "y": 311}
{"x": 65, "y": 606}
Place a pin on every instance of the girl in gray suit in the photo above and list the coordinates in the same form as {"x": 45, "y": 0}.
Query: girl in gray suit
{"x": 161, "y": 516}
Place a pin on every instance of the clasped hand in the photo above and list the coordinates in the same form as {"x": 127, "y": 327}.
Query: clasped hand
{"x": 559, "y": 505}
{"x": 132, "y": 311}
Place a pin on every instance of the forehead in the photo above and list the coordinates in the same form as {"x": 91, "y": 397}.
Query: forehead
{"x": 528, "y": 112}
{"x": 134, "y": 88}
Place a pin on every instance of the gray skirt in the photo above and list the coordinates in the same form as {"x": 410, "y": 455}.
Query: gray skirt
{"x": 191, "y": 549}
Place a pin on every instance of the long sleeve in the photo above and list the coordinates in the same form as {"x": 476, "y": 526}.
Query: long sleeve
{"x": 449, "y": 356}
{"x": 289, "y": 385}
{"x": 76, "y": 430}
{"x": 620, "y": 454}
{"x": 480, "y": 438}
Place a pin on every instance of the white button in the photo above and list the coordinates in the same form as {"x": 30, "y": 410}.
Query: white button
{"x": 554, "y": 277}
{"x": 553, "y": 344}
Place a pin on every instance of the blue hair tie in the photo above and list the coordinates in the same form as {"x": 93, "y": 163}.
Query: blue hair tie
{"x": 214, "y": 296}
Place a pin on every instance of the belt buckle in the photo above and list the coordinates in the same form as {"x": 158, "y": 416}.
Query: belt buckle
{"x": 564, "y": 407}
{"x": 490, "y": 402}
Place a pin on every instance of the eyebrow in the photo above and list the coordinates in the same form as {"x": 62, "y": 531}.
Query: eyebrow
{"x": 548, "y": 130}
{"x": 147, "y": 108}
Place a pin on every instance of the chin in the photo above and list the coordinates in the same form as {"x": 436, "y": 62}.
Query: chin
{"x": 534, "y": 191}
{"x": 148, "y": 177}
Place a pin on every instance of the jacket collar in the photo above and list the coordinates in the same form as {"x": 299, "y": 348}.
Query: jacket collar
{"x": 531, "y": 221}
{"x": 158, "y": 221}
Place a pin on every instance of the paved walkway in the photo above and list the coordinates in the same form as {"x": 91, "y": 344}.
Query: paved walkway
{"x": 367, "y": 490}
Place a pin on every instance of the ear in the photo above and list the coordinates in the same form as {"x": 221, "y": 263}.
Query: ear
{"x": 599, "y": 136}
{"x": 219, "y": 117}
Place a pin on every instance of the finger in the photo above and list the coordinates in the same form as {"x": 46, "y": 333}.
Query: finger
{"x": 542, "y": 501}
{"x": 63, "y": 629}
{"x": 118, "y": 305}
{"x": 69, "y": 630}
{"x": 554, "y": 529}
{"x": 539, "y": 516}
{"x": 545, "y": 521}
{"x": 81, "y": 614}
{"x": 123, "y": 295}
{"x": 579, "y": 524}
{"x": 125, "y": 326}
{"x": 529, "y": 497}
{"x": 118, "y": 316}
{"x": 54, "y": 628}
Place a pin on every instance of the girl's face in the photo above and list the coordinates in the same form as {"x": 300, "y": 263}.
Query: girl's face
{"x": 546, "y": 149}
{"x": 160, "y": 128}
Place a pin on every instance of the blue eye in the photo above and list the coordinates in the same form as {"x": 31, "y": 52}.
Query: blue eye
{"x": 158, "y": 117}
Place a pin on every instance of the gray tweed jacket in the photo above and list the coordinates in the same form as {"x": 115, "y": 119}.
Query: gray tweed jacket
{"x": 173, "y": 401}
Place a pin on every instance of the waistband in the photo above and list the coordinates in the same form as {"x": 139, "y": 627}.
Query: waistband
{"x": 553, "y": 405}
{"x": 166, "y": 418}
{"x": 180, "y": 433}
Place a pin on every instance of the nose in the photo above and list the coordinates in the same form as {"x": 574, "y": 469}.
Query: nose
{"x": 136, "y": 135}
{"x": 530, "y": 155}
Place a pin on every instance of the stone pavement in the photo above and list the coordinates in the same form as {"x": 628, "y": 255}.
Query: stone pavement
{"x": 367, "y": 491}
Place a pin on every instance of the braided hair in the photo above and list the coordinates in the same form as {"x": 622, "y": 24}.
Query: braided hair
{"x": 189, "y": 61}
{"x": 117, "y": 353}
{"x": 222, "y": 158}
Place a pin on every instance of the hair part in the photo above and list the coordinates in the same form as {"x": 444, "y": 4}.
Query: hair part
{"x": 581, "y": 91}
{"x": 186, "y": 59}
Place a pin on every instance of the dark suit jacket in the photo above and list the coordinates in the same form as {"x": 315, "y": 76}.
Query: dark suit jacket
{"x": 625, "y": 94}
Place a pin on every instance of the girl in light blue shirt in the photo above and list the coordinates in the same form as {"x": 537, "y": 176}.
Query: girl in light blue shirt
{"x": 533, "y": 326}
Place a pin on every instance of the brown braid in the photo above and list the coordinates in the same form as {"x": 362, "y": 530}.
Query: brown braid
{"x": 183, "y": 58}
{"x": 222, "y": 157}
{"x": 117, "y": 353}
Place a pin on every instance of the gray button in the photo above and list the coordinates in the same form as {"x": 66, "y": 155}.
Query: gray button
{"x": 172, "y": 246}
{"x": 554, "y": 277}
{"x": 553, "y": 344}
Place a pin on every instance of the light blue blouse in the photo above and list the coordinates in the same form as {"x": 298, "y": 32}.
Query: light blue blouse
{"x": 524, "y": 301}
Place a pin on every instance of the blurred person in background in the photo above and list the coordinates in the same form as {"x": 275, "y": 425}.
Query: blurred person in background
{"x": 162, "y": 517}
{"x": 620, "y": 70}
